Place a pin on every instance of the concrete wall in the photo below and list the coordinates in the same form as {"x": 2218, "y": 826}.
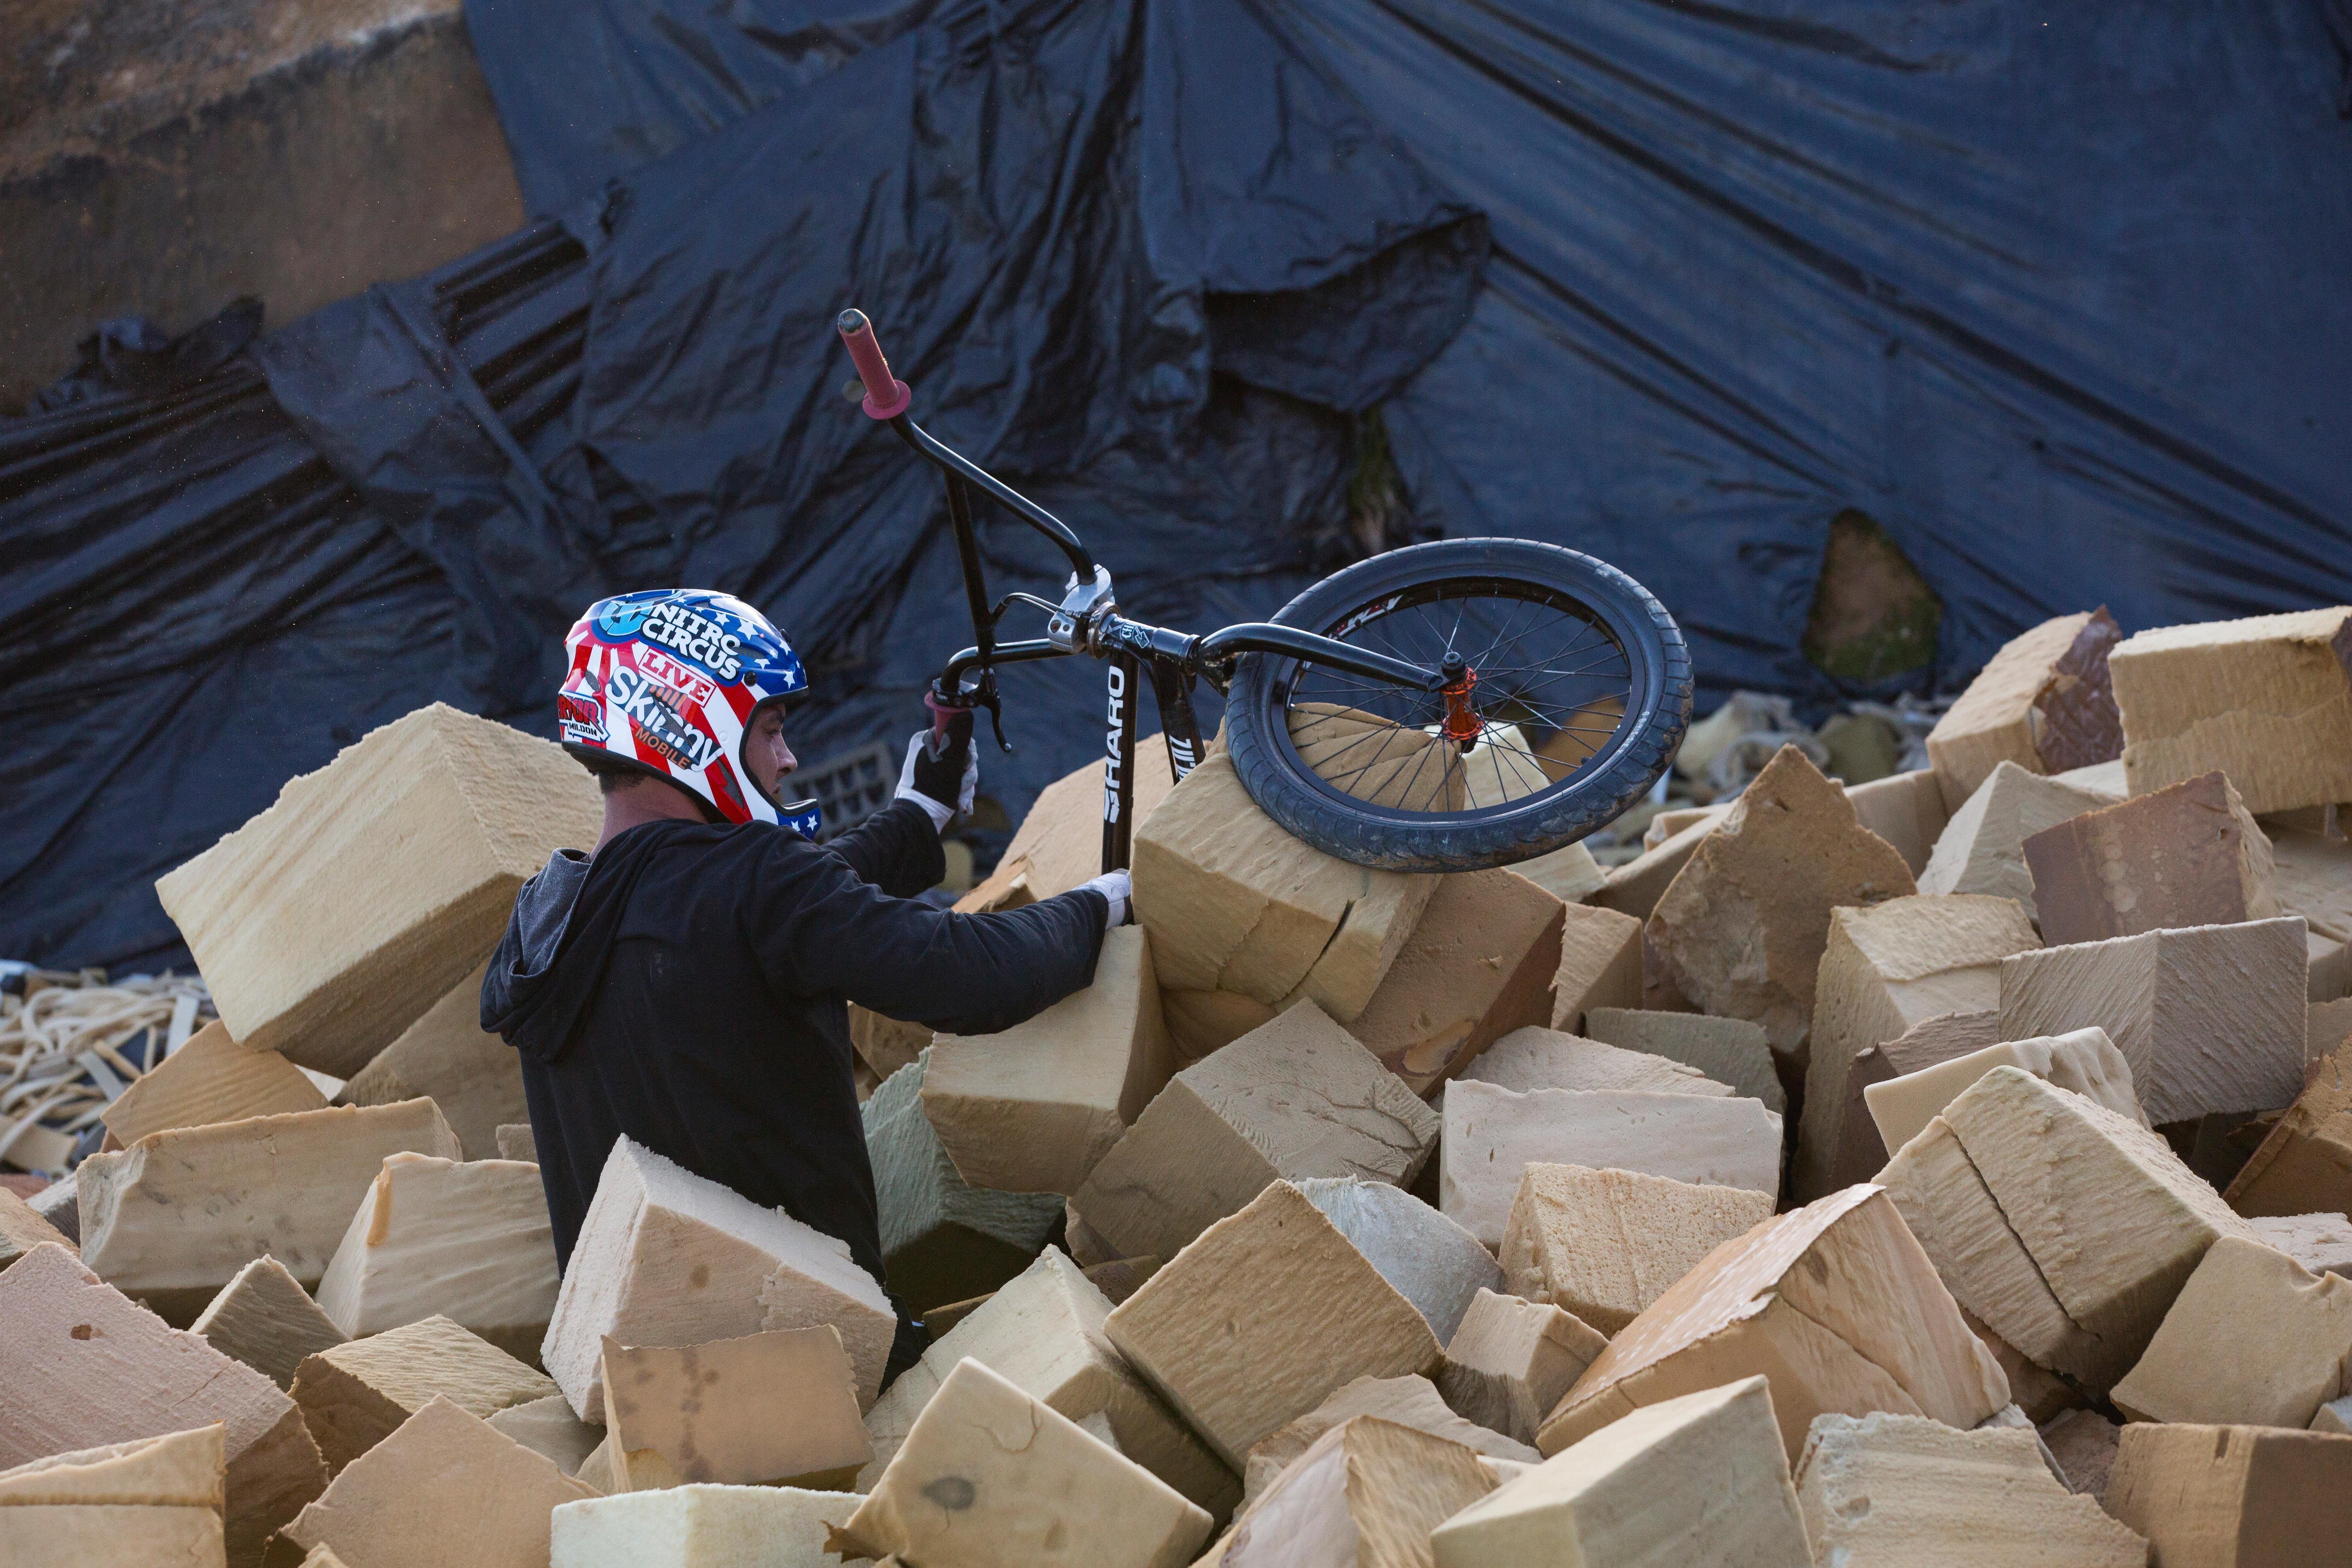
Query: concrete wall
{"x": 161, "y": 157}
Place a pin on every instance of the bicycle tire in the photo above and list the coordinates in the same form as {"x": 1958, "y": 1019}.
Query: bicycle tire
{"x": 1616, "y": 774}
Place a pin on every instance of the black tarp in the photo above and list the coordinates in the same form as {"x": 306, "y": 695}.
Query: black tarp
{"x": 2057, "y": 297}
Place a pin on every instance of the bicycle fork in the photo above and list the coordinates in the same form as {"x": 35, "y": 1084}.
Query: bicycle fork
{"x": 1182, "y": 730}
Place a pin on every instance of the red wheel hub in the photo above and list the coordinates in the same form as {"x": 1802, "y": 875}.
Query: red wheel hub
{"x": 1463, "y": 726}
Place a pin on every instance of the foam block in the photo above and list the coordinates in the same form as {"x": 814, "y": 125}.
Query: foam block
{"x": 22, "y": 1229}
{"x": 768, "y": 1409}
{"x": 547, "y": 1426}
{"x": 1741, "y": 929}
{"x": 1605, "y": 1244}
{"x": 174, "y": 1218}
{"x": 317, "y": 945}
{"x": 2320, "y": 1242}
{"x": 1295, "y": 1097}
{"x": 153, "y": 1500}
{"x": 1432, "y": 1262}
{"x": 469, "y": 1242}
{"x": 701, "y": 1526}
{"x": 1493, "y": 1135}
{"x": 210, "y": 1079}
{"x": 1599, "y": 964}
{"x": 447, "y": 1056}
{"x": 2211, "y": 1018}
{"x": 2082, "y": 1061}
{"x": 1030, "y": 1109}
{"x": 2305, "y": 1164}
{"x": 2191, "y": 855}
{"x": 1885, "y": 970}
{"x": 1982, "y": 849}
{"x": 1411, "y": 1402}
{"x": 2044, "y": 701}
{"x": 1368, "y": 1492}
{"x": 2266, "y": 701}
{"x": 1834, "y": 1302}
{"x": 2254, "y": 1339}
{"x": 1058, "y": 846}
{"x": 1268, "y": 1312}
{"x": 354, "y": 1395}
{"x": 1512, "y": 1360}
{"x": 1481, "y": 961}
{"x": 1527, "y": 1059}
{"x": 1729, "y": 1050}
{"x": 2233, "y": 1497}
{"x": 265, "y": 1319}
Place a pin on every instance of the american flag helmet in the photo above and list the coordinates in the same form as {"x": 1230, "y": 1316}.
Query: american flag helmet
{"x": 668, "y": 681}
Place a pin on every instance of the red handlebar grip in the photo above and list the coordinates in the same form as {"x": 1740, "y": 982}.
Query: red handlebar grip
{"x": 886, "y": 396}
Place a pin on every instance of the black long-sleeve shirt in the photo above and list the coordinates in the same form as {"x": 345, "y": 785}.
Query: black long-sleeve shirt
{"x": 686, "y": 986}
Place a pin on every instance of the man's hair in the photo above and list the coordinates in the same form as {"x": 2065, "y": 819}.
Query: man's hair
{"x": 611, "y": 775}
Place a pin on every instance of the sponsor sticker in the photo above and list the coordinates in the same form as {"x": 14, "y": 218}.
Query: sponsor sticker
{"x": 693, "y": 637}
{"x": 657, "y": 725}
{"x": 695, "y": 689}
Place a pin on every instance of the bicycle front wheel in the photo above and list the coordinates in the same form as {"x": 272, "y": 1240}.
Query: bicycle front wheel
{"x": 1570, "y": 689}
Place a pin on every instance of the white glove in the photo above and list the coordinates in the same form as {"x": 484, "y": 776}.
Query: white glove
{"x": 1118, "y": 887}
{"x": 967, "y": 789}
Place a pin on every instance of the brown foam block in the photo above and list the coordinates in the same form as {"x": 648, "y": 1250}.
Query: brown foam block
{"x": 2084, "y": 1444}
{"x": 2254, "y": 1339}
{"x": 150, "y": 1500}
{"x": 2044, "y": 701}
{"x": 355, "y": 1394}
{"x": 265, "y": 1319}
{"x": 2188, "y": 854}
{"x": 320, "y": 945}
{"x": 1741, "y": 929}
{"x": 1901, "y": 1488}
{"x": 1606, "y": 1243}
{"x": 2233, "y": 1497}
{"x": 1511, "y": 1360}
{"x": 445, "y": 1490}
{"x": 1234, "y": 903}
{"x": 2068, "y": 1228}
{"x": 1262, "y": 1317}
{"x": 211, "y": 1078}
{"x": 1297, "y": 1096}
{"x": 1481, "y": 963}
{"x": 1982, "y": 849}
{"x": 22, "y": 1229}
{"x": 1730, "y": 1050}
{"x": 990, "y": 1477}
{"x": 2305, "y": 1164}
{"x": 1885, "y": 970}
{"x": 1908, "y": 810}
{"x": 665, "y": 1257}
{"x": 1835, "y": 1303}
{"x": 768, "y": 1409}
{"x": 447, "y": 1056}
{"x": 1635, "y": 888}
{"x": 2267, "y": 700}
{"x": 1368, "y": 1492}
{"x": 176, "y": 1217}
{"x": 1030, "y": 1109}
{"x": 2211, "y": 1018}
{"x": 884, "y": 1045}
{"x": 86, "y": 1367}
{"x": 1599, "y": 964}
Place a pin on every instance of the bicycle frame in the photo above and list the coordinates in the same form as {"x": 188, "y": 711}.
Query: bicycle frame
{"x": 1086, "y": 622}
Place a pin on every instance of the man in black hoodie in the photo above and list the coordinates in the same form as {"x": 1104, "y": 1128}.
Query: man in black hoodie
{"x": 684, "y": 982}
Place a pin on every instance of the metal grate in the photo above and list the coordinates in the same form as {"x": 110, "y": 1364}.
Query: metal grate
{"x": 848, "y": 788}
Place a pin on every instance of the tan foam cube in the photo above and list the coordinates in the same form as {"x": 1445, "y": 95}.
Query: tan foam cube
{"x": 1528, "y": 1059}
{"x": 1481, "y": 963}
{"x": 702, "y": 1527}
{"x": 1367, "y": 1493}
{"x": 2211, "y": 1018}
{"x": 2233, "y": 1497}
{"x": 1730, "y": 1051}
{"x": 1268, "y": 1312}
{"x": 1233, "y": 902}
{"x": 85, "y": 1366}
{"x": 1700, "y": 1478}
{"x": 318, "y": 945}
{"x": 265, "y": 1319}
{"x": 1030, "y": 1109}
{"x": 990, "y": 1477}
{"x": 1599, "y": 964}
{"x": 1887, "y": 1489}
{"x": 1908, "y": 810}
{"x": 1570, "y": 875}
{"x": 173, "y": 1218}
{"x": 22, "y": 1229}
{"x": 467, "y": 1241}
{"x": 2305, "y": 1164}
{"x": 1058, "y": 846}
{"x": 1512, "y": 1360}
{"x": 447, "y": 1056}
{"x": 1606, "y": 1243}
{"x": 1410, "y": 1401}
{"x": 2267, "y": 700}
{"x": 1982, "y": 849}
{"x": 447, "y": 1490}
{"x": 1635, "y": 888}
{"x": 768, "y": 1409}
{"x": 665, "y": 1257}
{"x": 210, "y": 1079}
{"x": 153, "y": 1500}
{"x": 354, "y": 1395}
{"x": 2188, "y": 854}
{"x": 2044, "y": 701}
{"x": 1295, "y": 1097}
{"x": 2082, "y": 1061}
{"x": 1885, "y": 970}
{"x": 2254, "y": 1339}
{"x": 1741, "y": 929}
{"x": 1044, "y": 1331}
{"x": 1492, "y": 1135}
{"x": 1834, "y": 1302}
{"x": 2066, "y": 1228}
{"x": 547, "y": 1426}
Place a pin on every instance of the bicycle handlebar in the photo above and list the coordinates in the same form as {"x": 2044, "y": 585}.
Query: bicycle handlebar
{"x": 885, "y": 396}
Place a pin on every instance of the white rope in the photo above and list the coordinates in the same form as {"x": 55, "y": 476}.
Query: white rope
{"x": 61, "y": 1060}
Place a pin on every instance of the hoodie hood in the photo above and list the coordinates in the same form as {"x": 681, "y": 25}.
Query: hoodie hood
{"x": 557, "y": 940}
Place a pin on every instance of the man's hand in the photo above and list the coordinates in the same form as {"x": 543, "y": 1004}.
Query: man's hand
{"x": 1118, "y": 889}
{"x": 942, "y": 771}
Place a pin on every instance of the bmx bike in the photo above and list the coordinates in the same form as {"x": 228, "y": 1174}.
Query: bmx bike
{"x": 1446, "y": 707}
